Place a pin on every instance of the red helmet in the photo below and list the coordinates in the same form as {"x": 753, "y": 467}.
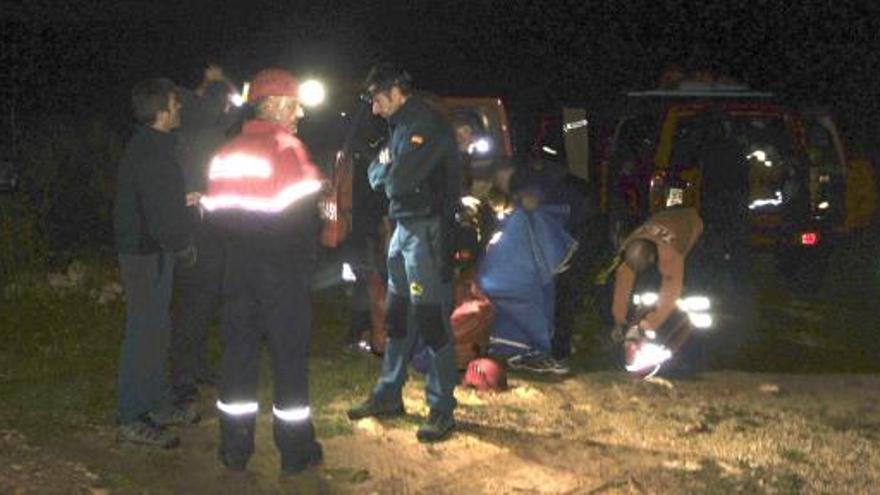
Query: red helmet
{"x": 273, "y": 82}
{"x": 485, "y": 374}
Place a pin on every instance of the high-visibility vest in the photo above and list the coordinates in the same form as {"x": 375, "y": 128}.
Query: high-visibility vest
{"x": 265, "y": 169}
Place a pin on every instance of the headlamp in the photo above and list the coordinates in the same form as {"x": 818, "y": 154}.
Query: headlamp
{"x": 312, "y": 93}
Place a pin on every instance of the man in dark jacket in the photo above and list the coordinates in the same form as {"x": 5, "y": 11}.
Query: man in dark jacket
{"x": 206, "y": 121}
{"x": 152, "y": 231}
{"x": 419, "y": 173}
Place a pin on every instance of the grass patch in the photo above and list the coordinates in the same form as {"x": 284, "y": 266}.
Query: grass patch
{"x": 794, "y": 455}
{"x": 350, "y": 475}
{"x": 61, "y": 349}
{"x": 712, "y": 479}
{"x": 788, "y": 483}
{"x": 854, "y": 422}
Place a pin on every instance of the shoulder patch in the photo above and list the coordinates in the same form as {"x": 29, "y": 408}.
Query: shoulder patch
{"x": 416, "y": 139}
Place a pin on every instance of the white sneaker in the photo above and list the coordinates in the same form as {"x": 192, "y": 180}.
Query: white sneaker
{"x": 538, "y": 364}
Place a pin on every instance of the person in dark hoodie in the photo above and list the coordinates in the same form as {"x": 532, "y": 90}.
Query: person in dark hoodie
{"x": 153, "y": 233}
{"x": 207, "y": 121}
{"x": 545, "y": 179}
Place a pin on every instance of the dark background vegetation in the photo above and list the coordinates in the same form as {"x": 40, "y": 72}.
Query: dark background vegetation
{"x": 68, "y": 68}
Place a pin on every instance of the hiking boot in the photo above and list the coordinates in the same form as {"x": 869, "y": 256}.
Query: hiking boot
{"x": 314, "y": 457}
{"x": 438, "y": 427}
{"x": 143, "y": 433}
{"x": 372, "y": 407}
{"x": 174, "y": 415}
{"x": 538, "y": 364}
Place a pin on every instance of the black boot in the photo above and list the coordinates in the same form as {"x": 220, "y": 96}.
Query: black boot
{"x": 236, "y": 441}
{"x": 438, "y": 427}
{"x": 372, "y": 407}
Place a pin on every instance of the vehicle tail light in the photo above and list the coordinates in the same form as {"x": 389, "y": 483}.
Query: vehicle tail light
{"x": 809, "y": 238}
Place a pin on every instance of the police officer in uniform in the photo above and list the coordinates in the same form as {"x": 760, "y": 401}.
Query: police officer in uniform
{"x": 262, "y": 196}
{"x": 419, "y": 172}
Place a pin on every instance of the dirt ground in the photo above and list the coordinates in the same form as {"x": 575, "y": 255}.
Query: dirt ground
{"x": 591, "y": 433}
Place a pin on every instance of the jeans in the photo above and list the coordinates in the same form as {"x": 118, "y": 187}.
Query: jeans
{"x": 418, "y": 297}
{"x": 143, "y": 383}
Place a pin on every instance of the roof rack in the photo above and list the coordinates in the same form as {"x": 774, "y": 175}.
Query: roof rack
{"x": 670, "y": 93}
{"x": 720, "y": 89}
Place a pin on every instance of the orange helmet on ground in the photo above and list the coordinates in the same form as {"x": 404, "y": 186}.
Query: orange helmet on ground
{"x": 485, "y": 374}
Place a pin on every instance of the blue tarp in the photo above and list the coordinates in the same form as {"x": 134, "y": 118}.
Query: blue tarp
{"x": 517, "y": 273}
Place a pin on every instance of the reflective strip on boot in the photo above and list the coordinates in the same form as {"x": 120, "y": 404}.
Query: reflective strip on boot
{"x": 238, "y": 408}
{"x": 293, "y": 413}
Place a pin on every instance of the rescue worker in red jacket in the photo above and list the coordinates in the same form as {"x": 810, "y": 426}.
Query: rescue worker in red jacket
{"x": 664, "y": 240}
{"x": 261, "y": 194}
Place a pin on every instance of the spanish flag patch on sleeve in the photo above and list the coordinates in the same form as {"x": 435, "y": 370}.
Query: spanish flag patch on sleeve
{"x": 416, "y": 140}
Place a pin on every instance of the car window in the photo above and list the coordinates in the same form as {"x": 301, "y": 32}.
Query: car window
{"x": 634, "y": 138}
{"x": 767, "y": 141}
{"x": 686, "y": 143}
{"x": 821, "y": 148}
{"x": 771, "y": 153}
{"x": 764, "y": 146}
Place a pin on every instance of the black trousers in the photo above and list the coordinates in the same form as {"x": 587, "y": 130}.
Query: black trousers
{"x": 266, "y": 297}
{"x": 362, "y": 256}
{"x": 571, "y": 287}
{"x": 198, "y": 295}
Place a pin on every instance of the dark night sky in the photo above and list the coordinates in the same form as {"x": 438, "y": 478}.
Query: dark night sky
{"x": 83, "y": 56}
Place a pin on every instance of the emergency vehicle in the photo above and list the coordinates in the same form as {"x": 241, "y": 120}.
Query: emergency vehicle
{"x": 803, "y": 191}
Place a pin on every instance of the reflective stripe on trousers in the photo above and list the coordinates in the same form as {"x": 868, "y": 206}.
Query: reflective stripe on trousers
{"x": 238, "y": 408}
{"x": 292, "y": 414}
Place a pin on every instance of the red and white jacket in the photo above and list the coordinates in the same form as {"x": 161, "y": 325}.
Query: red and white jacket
{"x": 262, "y": 186}
{"x": 265, "y": 169}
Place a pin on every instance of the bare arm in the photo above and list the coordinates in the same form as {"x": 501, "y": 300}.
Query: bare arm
{"x": 671, "y": 266}
{"x": 623, "y": 284}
